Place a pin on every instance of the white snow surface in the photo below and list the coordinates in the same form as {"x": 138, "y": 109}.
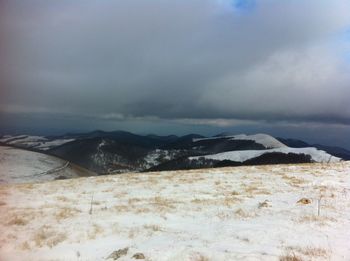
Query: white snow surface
{"x": 22, "y": 166}
{"x": 52, "y": 143}
{"x": 37, "y": 142}
{"x": 243, "y": 155}
{"x": 264, "y": 139}
{"x": 241, "y": 213}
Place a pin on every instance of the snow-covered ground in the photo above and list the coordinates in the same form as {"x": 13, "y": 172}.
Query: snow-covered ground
{"x": 22, "y": 166}
{"x": 37, "y": 142}
{"x": 241, "y": 213}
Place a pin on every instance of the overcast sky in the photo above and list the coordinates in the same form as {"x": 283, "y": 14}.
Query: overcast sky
{"x": 281, "y": 67}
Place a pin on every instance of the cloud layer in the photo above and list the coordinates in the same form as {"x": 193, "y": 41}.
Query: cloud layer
{"x": 199, "y": 59}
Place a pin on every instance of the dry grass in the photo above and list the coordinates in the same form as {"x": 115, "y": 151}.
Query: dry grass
{"x": 46, "y": 236}
{"x": 163, "y": 203}
{"x": 153, "y": 227}
{"x": 25, "y": 186}
{"x": 121, "y": 208}
{"x": 18, "y": 221}
{"x": 25, "y": 246}
{"x": 264, "y": 204}
{"x": 252, "y": 190}
{"x": 200, "y": 201}
{"x": 313, "y": 253}
{"x": 133, "y": 232}
{"x": 141, "y": 210}
{"x": 66, "y": 212}
{"x": 198, "y": 257}
{"x": 120, "y": 194}
{"x": 240, "y": 213}
{"x": 294, "y": 181}
{"x": 131, "y": 201}
{"x": 219, "y": 200}
{"x": 226, "y": 215}
{"x": 320, "y": 220}
{"x": 95, "y": 231}
{"x": 290, "y": 257}
{"x": 230, "y": 200}
{"x": 63, "y": 198}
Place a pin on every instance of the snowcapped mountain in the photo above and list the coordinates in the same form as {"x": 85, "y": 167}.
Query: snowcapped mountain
{"x": 23, "y": 166}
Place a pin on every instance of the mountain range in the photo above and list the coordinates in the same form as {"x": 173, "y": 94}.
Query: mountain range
{"x": 119, "y": 151}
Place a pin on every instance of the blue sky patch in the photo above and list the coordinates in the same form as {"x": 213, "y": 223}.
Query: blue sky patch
{"x": 243, "y": 4}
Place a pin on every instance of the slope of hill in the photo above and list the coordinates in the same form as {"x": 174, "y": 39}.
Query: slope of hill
{"x": 277, "y": 212}
{"x": 23, "y": 166}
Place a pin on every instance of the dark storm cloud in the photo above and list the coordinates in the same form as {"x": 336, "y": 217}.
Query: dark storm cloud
{"x": 198, "y": 59}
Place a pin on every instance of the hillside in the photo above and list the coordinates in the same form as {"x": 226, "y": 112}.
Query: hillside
{"x": 242, "y": 213}
{"x": 23, "y": 166}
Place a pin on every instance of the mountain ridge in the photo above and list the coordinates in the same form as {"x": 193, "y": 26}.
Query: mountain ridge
{"x": 108, "y": 152}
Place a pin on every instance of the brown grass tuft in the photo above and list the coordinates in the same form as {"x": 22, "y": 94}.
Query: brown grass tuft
{"x": 46, "y": 236}
{"x": 66, "y": 212}
{"x": 290, "y": 257}
{"x": 17, "y": 221}
{"x": 153, "y": 227}
{"x": 96, "y": 230}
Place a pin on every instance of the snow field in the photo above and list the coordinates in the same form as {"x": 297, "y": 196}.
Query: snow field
{"x": 241, "y": 213}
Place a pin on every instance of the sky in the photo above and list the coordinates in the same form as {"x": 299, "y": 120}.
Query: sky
{"x": 177, "y": 67}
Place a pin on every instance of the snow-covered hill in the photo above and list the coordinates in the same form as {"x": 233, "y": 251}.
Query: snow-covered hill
{"x": 33, "y": 142}
{"x": 22, "y": 166}
{"x": 241, "y": 156}
{"x": 267, "y": 141}
{"x": 277, "y": 212}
